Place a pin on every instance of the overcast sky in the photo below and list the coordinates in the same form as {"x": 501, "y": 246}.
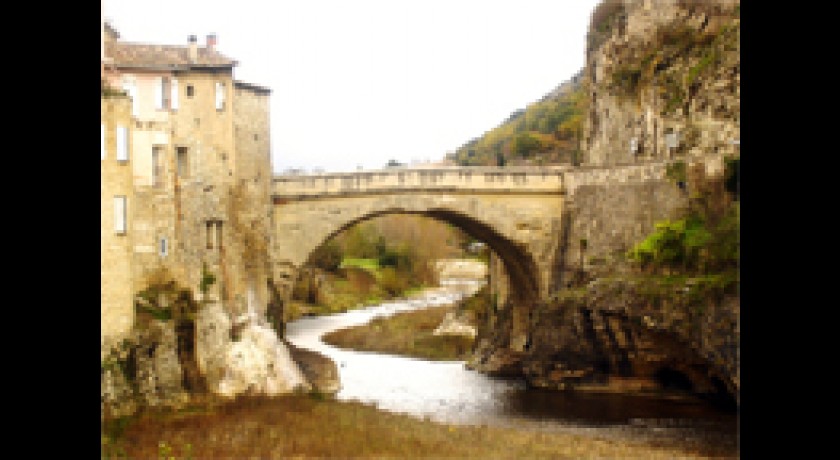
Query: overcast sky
{"x": 356, "y": 83}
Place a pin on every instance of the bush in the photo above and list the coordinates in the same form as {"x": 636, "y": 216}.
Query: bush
{"x": 327, "y": 257}
{"x": 393, "y": 282}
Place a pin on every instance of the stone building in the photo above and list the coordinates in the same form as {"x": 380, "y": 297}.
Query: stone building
{"x": 197, "y": 180}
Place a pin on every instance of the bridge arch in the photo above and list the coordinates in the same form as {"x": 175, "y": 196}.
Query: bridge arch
{"x": 519, "y": 263}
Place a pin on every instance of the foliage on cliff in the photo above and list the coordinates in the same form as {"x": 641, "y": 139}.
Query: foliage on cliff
{"x": 706, "y": 238}
{"x": 545, "y": 132}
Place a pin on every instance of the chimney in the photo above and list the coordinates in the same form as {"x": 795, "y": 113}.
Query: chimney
{"x": 211, "y": 42}
{"x": 193, "y": 48}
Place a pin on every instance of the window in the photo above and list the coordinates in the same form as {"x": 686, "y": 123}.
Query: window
{"x": 103, "y": 140}
{"x": 122, "y": 143}
{"x": 220, "y": 96}
{"x": 157, "y": 165}
{"x": 163, "y": 249}
{"x": 162, "y": 93}
{"x": 209, "y": 234}
{"x": 174, "y": 96}
{"x": 183, "y": 162}
{"x": 120, "y": 214}
{"x": 214, "y": 234}
{"x": 190, "y": 91}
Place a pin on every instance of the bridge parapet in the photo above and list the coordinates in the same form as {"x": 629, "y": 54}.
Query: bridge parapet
{"x": 463, "y": 179}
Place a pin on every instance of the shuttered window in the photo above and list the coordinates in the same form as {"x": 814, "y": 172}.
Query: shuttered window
{"x": 122, "y": 143}
{"x": 103, "y": 140}
{"x": 120, "y": 214}
{"x": 174, "y": 97}
{"x": 163, "y": 92}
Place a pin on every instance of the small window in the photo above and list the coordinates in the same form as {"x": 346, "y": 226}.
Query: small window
{"x": 190, "y": 91}
{"x": 163, "y": 248}
{"x": 183, "y": 162}
{"x": 634, "y": 146}
{"x": 120, "y": 214}
{"x": 214, "y": 234}
{"x": 220, "y": 96}
{"x": 122, "y": 143}
{"x": 103, "y": 140}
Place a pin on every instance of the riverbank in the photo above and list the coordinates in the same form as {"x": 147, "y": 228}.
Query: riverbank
{"x": 406, "y": 334}
{"x": 314, "y": 426}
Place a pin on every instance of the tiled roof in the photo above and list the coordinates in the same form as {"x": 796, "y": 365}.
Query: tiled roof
{"x": 252, "y": 87}
{"x": 136, "y": 55}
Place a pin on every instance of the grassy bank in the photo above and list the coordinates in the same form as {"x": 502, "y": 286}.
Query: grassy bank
{"x": 357, "y": 283}
{"x": 407, "y": 333}
{"x": 305, "y": 426}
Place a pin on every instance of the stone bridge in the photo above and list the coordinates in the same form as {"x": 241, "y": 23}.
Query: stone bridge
{"x": 531, "y": 217}
{"x": 515, "y": 211}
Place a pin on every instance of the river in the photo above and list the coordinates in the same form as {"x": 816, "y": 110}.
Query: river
{"x": 448, "y": 392}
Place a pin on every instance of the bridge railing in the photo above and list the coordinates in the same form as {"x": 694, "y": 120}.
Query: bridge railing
{"x": 466, "y": 179}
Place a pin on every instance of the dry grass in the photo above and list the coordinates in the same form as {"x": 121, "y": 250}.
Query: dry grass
{"x": 408, "y": 333}
{"x": 302, "y": 426}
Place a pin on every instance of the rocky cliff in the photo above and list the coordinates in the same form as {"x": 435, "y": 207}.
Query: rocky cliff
{"x": 664, "y": 80}
{"x": 663, "y": 84}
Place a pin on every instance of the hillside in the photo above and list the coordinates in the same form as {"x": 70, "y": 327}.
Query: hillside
{"x": 545, "y": 132}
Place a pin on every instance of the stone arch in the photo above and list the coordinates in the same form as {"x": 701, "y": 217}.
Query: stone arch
{"x": 511, "y": 227}
{"x": 519, "y": 263}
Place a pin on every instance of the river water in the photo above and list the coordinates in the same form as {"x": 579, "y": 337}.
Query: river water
{"x": 448, "y": 392}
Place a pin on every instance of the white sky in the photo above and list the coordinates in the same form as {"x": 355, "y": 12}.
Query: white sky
{"x": 358, "y": 82}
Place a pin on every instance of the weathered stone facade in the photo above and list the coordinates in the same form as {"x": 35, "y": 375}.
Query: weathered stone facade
{"x": 199, "y": 177}
{"x": 116, "y": 274}
{"x": 201, "y": 170}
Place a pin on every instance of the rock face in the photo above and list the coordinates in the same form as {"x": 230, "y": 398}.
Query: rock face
{"x": 156, "y": 366}
{"x": 213, "y": 328}
{"x": 259, "y": 363}
{"x": 319, "y": 370}
{"x": 618, "y": 329}
{"x": 663, "y": 79}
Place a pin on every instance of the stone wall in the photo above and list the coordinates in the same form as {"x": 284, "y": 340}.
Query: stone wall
{"x": 609, "y": 211}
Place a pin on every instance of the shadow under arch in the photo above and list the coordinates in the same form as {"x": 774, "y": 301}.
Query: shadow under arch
{"x": 519, "y": 264}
